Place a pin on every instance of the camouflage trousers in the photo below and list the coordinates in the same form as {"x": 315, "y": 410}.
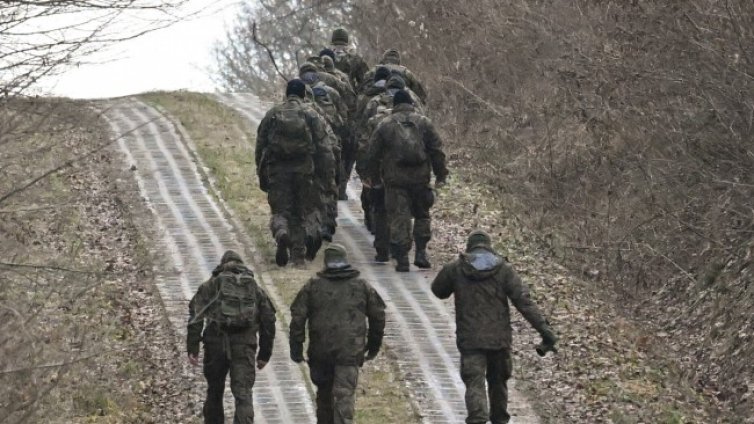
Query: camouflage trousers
{"x": 218, "y": 362}
{"x": 336, "y": 391}
{"x": 294, "y": 202}
{"x": 379, "y": 219}
{"x": 347, "y": 161}
{"x": 494, "y": 366}
{"x": 402, "y": 204}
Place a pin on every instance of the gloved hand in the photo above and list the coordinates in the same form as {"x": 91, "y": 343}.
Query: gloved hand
{"x": 297, "y": 354}
{"x": 548, "y": 343}
{"x": 370, "y": 353}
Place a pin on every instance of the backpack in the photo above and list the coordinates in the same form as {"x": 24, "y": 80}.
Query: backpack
{"x": 342, "y": 60}
{"x": 323, "y": 99}
{"x": 290, "y": 137}
{"x": 235, "y": 305}
{"x": 409, "y": 142}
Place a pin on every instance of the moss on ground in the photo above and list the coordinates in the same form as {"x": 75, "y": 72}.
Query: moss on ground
{"x": 225, "y": 143}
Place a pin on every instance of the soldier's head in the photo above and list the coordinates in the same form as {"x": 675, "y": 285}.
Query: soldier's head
{"x": 478, "y": 238}
{"x": 315, "y": 60}
{"x": 382, "y": 73}
{"x": 327, "y": 52}
{"x": 230, "y": 256}
{"x": 295, "y": 87}
{"x": 339, "y": 37}
{"x": 328, "y": 63}
{"x": 395, "y": 82}
{"x": 335, "y": 257}
{"x": 308, "y": 73}
{"x": 402, "y": 97}
{"x": 391, "y": 57}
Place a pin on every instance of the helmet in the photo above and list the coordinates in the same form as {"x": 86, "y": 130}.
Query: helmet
{"x": 340, "y": 36}
{"x": 391, "y": 56}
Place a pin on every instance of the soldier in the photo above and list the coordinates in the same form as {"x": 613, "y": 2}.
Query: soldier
{"x": 391, "y": 59}
{"x": 483, "y": 283}
{"x": 404, "y": 151}
{"x": 347, "y": 59}
{"x": 293, "y": 151}
{"x": 327, "y": 56}
{"x": 337, "y": 305}
{"x": 230, "y": 336}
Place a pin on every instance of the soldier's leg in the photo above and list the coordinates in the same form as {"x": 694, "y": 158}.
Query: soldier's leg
{"x": 215, "y": 370}
{"x": 344, "y": 393}
{"x": 366, "y": 206}
{"x": 305, "y": 216}
{"x": 242, "y": 377}
{"x": 280, "y": 197}
{"x": 381, "y": 229}
{"x": 348, "y": 159}
{"x": 398, "y": 207}
{"x": 422, "y": 200}
{"x": 499, "y": 370}
{"x": 323, "y": 376}
{"x": 473, "y": 369}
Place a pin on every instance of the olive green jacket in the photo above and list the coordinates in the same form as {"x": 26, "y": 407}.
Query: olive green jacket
{"x": 483, "y": 285}
{"x": 199, "y": 329}
{"x": 345, "y": 315}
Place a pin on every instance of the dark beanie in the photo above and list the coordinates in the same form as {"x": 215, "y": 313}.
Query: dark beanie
{"x": 295, "y": 87}
{"x": 231, "y": 256}
{"x": 382, "y": 73}
{"x": 327, "y": 52}
{"x": 401, "y": 97}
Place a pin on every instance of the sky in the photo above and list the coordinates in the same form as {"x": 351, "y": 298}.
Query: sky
{"x": 173, "y": 58}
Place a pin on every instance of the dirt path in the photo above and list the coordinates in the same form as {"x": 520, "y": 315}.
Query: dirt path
{"x": 195, "y": 233}
{"x": 421, "y": 328}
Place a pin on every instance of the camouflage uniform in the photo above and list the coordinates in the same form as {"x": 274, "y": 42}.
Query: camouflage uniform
{"x": 337, "y": 305}
{"x": 347, "y": 59}
{"x": 292, "y": 184}
{"x": 391, "y": 59}
{"x": 483, "y": 284}
{"x": 229, "y": 351}
{"x": 407, "y": 187}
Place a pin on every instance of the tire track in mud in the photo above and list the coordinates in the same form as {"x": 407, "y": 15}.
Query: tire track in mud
{"x": 194, "y": 233}
{"x": 420, "y": 328}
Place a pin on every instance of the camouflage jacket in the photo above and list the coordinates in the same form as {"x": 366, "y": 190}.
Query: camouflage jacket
{"x": 337, "y": 305}
{"x": 329, "y": 101}
{"x": 209, "y": 332}
{"x": 483, "y": 284}
{"x": 412, "y": 81}
{"x": 384, "y": 153}
{"x": 322, "y": 159}
{"x": 351, "y": 63}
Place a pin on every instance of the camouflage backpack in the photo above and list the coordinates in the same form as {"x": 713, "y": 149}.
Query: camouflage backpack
{"x": 290, "y": 137}
{"x": 409, "y": 141}
{"x": 235, "y": 305}
{"x": 323, "y": 99}
{"x": 342, "y": 59}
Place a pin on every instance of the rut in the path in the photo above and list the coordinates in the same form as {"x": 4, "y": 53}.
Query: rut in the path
{"x": 194, "y": 234}
{"x": 421, "y": 328}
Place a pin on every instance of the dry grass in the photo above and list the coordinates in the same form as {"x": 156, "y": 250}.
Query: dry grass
{"x": 225, "y": 142}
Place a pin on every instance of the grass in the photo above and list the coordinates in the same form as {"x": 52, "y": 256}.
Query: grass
{"x": 225, "y": 143}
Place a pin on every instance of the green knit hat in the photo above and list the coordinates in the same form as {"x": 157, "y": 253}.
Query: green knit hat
{"x": 230, "y": 256}
{"x": 339, "y": 36}
{"x": 391, "y": 56}
{"x": 336, "y": 257}
{"x": 478, "y": 238}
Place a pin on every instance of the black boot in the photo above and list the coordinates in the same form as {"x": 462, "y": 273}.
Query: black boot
{"x": 421, "y": 260}
{"x": 281, "y": 256}
{"x": 313, "y": 244}
{"x": 382, "y": 256}
{"x": 402, "y": 264}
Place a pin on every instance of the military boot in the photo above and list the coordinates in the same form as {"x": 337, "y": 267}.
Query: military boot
{"x": 402, "y": 264}
{"x": 421, "y": 260}
{"x": 281, "y": 256}
{"x": 382, "y": 256}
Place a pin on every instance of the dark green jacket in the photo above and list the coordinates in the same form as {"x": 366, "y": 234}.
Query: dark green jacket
{"x": 209, "y": 332}
{"x": 384, "y": 153}
{"x": 321, "y": 160}
{"x": 337, "y": 305}
{"x": 483, "y": 284}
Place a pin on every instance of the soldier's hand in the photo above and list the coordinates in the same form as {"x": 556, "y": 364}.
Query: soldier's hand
{"x": 193, "y": 359}
{"x": 371, "y": 354}
{"x": 261, "y": 364}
